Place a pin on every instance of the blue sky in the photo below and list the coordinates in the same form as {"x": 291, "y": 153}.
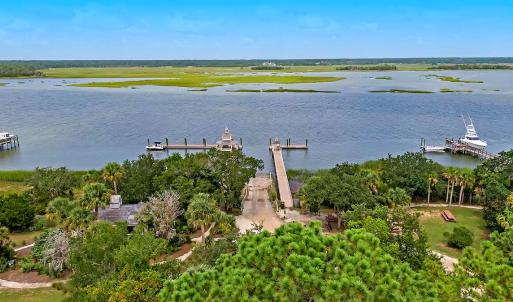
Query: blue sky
{"x": 254, "y": 29}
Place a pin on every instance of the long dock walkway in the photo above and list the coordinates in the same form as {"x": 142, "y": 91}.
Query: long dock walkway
{"x": 281, "y": 172}
{"x": 281, "y": 177}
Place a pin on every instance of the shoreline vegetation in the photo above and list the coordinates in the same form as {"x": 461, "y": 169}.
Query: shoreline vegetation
{"x": 213, "y": 80}
{"x": 284, "y": 90}
{"x": 399, "y": 91}
{"x": 453, "y": 79}
{"x": 382, "y": 78}
{"x": 448, "y": 90}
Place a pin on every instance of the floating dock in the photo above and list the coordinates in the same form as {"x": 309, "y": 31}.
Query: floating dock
{"x": 281, "y": 172}
{"x": 8, "y": 141}
{"x": 457, "y": 147}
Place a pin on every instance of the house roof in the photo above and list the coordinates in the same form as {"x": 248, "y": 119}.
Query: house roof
{"x": 125, "y": 212}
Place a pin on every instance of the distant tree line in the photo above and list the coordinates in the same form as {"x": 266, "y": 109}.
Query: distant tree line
{"x": 18, "y": 70}
{"x": 470, "y": 66}
{"x": 368, "y": 67}
{"x": 267, "y": 68}
{"x": 42, "y": 64}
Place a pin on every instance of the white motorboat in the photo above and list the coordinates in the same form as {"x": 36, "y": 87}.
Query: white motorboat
{"x": 471, "y": 138}
{"x": 157, "y": 146}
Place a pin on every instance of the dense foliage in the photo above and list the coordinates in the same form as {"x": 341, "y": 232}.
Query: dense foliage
{"x": 6, "y": 251}
{"x": 16, "y": 213}
{"x": 49, "y": 183}
{"x": 18, "y": 70}
{"x": 298, "y": 264}
{"x": 410, "y": 172}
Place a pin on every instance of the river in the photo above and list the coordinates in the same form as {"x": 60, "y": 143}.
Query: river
{"x": 84, "y": 128}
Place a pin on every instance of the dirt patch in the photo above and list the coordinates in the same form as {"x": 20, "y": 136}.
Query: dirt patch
{"x": 430, "y": 214}
{"x": 23, "y": 253}
{"x": 30, "y": 277}
{"x": 184, "y": 249}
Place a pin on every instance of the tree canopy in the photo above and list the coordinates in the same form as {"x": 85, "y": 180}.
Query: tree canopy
{"x": 299, "y": 264}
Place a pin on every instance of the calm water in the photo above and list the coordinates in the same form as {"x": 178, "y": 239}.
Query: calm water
{"x": 84, "y": 128}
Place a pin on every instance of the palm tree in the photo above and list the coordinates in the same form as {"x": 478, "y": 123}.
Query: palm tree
{"x": 448, "y": 174}
{"x": 202, "y": 211}
{"x": 96, "y": 196}
{"x": 371, "y": 180}
{"x": 455, "y": 180}
{"x": 112, "y": 173}
{"x": 432, "y": 181}
{"x": 466, "y": 180}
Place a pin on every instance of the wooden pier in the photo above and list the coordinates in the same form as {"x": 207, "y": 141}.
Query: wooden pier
{"x": 9, "y": 142}
{"x": 226, "y": 143}
{"x": 457, "y": 147}
{"x": 282, "y": 180}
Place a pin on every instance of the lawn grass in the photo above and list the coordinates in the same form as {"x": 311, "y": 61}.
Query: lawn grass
{"x": 12, "y": 187}
{"x": 31, "y": 295}
{"x": 282, "y": 90}
{"x": 435, "y": 226}
{"x": 400, "y": 91}
{"x": 24, "y": 238}
{"x": 212, "y": 80}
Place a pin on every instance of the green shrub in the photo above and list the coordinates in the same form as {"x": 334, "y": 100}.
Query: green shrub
{"x": 3, "y": 264}
{"x": 27, "y": 264}
{"x": 460, "y": 237}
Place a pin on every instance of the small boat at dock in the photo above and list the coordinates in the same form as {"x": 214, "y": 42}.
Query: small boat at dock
{"x": 156, "y": 146}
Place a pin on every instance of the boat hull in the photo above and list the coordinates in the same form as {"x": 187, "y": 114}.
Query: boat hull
{"x": 474, "y": 144}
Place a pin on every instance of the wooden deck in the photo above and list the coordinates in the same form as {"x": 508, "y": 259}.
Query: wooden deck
{"x": 190, "y": 146}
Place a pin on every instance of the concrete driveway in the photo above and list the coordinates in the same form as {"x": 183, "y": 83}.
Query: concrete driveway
{"x": 257, "y": 207}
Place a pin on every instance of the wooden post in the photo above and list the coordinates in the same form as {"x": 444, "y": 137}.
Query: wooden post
{"x": 241, "y": 141}
{"x": 167, "y": 142}
{"x": 204, "y": 142}
{"x": 270, "y": 141}
{"x": 185, "y": 141}
{"x": 148, "y": 141}
{"x": 306, "y": 143}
